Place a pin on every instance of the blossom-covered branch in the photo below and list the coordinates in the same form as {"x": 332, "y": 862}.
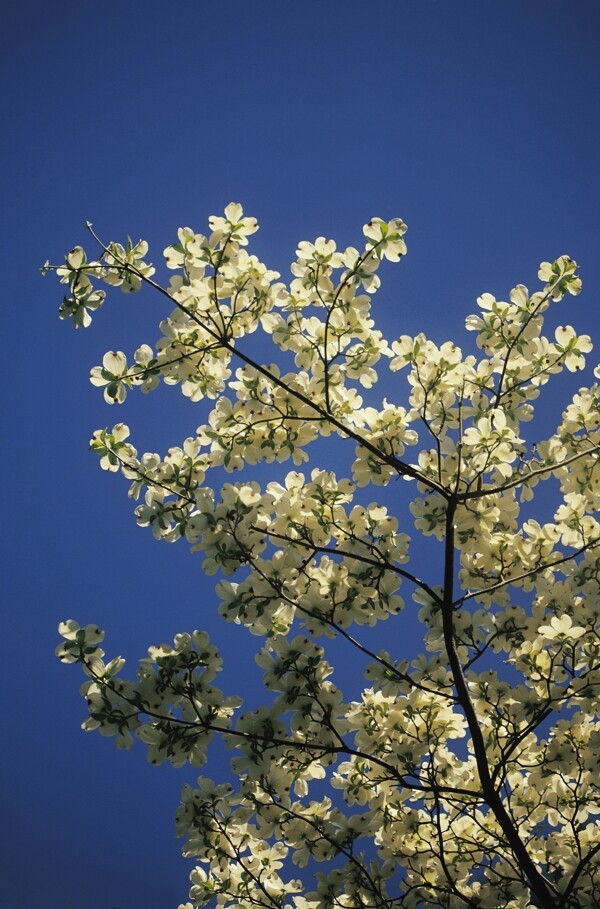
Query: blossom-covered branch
{"x": 462, "y": 776}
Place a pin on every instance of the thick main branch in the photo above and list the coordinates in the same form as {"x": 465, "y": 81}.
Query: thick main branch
{"x": 491, "y": 796}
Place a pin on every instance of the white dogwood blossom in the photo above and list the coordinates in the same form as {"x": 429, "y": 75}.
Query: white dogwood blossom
{"x": 463, "y": 776}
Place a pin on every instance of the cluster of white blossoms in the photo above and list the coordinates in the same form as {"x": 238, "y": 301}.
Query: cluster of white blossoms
{"x": 466, "y": 777}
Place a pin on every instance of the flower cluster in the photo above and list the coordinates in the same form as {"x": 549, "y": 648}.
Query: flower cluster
{"x": 463, "y": 776}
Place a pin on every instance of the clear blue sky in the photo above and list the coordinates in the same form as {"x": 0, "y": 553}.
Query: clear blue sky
{"x": 476, "y": 122}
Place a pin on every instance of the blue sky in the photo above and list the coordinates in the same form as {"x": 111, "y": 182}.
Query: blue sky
{"x": 476, "y": 122}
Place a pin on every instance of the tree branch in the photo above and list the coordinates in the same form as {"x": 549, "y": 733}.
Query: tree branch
{"x": 401, "y": 467}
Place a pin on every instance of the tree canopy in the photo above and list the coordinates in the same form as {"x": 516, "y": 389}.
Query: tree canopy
{"x": 464, "y": 777}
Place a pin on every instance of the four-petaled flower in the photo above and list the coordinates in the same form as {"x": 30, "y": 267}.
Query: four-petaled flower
{"x": 561, "y": 628}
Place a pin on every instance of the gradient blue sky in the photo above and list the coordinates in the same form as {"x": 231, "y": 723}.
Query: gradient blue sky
{"x": 476, "y": 122}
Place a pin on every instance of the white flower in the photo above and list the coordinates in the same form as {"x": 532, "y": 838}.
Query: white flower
{"x": 111, "y": 374}
{"x": 234, "y": 224}
{"x": 561, "y": 628}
